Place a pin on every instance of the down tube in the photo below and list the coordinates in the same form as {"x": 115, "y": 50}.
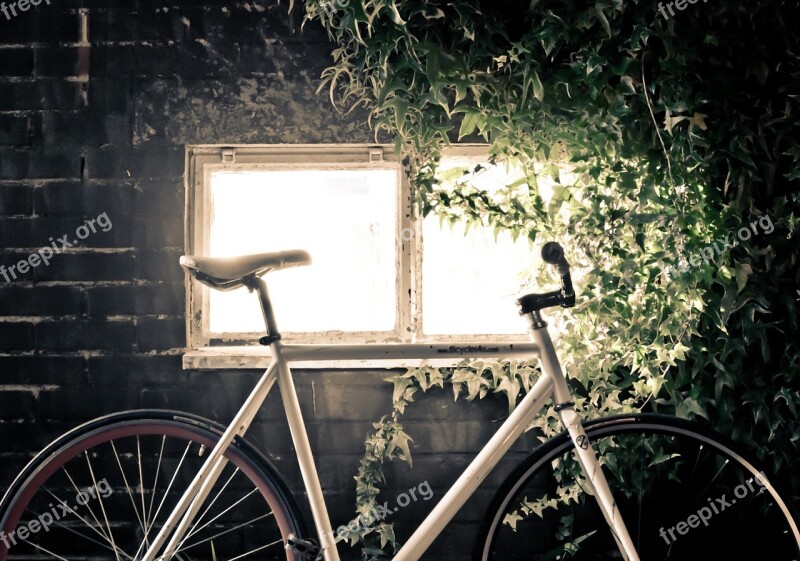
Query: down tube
{"x": 477, "y": 471}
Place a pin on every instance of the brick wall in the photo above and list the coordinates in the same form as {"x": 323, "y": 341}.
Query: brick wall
{"x": 98, "y": 100}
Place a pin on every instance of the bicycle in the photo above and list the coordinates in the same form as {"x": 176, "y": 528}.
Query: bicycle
{"x": 185, "y": 488}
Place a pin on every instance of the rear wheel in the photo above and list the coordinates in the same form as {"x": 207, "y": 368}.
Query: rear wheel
{"x": 684, "y": 494}
{"x": 105, "y": 489}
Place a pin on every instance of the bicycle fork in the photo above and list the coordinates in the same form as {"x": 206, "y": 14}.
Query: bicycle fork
{"x": 584, "y": 450}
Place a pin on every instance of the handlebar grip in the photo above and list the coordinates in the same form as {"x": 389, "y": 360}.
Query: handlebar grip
{"x": 553, "y": 254}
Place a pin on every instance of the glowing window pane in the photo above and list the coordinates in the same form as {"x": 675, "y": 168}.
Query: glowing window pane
{"x": 346, "y": 220}
{"x": 470, "y": 282}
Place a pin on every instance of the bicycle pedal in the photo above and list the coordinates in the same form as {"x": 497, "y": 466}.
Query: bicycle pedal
{"x": 308, "y": 550}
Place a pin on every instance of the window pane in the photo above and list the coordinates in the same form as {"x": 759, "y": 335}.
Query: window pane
{"x": 346, "y": 220}
{"x": 470, "y": 282}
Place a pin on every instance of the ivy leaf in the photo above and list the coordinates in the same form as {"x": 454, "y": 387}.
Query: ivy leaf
{"x": 512, "y": 518}
{"x": 475, "y": 386}
{"x": 737, "y": 152}
{"x": 400, "y": 386}
{"x": 438, "y": 15}
{"x": 395, "y": 13}
{"x": 400, "y": 107}
{"x": 433, "y": 66}
{"x": 787, "y": 397}
{"x": 472, "y": 118}
{"x": 698, "y": 120}
{"x": 627, "y": 81}
{"x": 603, "y": 20}
{"x": 690, "y": 405}
{"x": 386, "y": 533}
{"x": 456, "y": 390}
{"x": 510, "y": 387}
{"x": 349, "y": 21}
{"x": 538, "y": 88}
{"x": 399, "y": 442}
{"x": 743, "y": 272}
{"x": 421, "y": 377}
{"x": 436, "y": 377}
{"x": 461, "y": 92}
{"x": 670, "y": 121}
{"x": 560, "y": 195}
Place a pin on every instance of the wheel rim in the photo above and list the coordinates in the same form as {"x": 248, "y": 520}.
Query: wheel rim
{"x": 767, "y": 517}
{"x": 130, "y": 475}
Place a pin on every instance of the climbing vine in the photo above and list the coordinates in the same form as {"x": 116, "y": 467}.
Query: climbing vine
{"x": 641, "y": 142}
{"x": 389, "y": 441}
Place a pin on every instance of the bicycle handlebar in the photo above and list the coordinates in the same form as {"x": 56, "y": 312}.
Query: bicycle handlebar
{"x": 552, "y": 254}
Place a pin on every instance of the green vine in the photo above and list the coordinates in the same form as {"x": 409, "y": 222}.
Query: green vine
{"x": 389, "y": 441}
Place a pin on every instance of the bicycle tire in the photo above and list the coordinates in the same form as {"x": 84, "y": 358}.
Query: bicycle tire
{"x": 706, "y": 473}
{"x": 108, "y": 465}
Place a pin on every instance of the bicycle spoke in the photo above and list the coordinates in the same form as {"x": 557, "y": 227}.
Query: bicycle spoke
{"x": 99, "y": 526}
{"x": 696, "y": 463}
{"x": 228, "y": 531}
{"x": 199, "y": 519}
{"x": 221, "y": 514}
{"x": 127, "y": 486}
{"x": 89, "y": 508}
{"x": 37, "y": 546}
{"x": 244, "y": 510}
{"x": 91, "y": 539}
{"x": 145, "y": 539}
{"x": 701, "y": 494}
{"x": 102, "y": 506}
{"x": 655, "y": 468}
{"x": 74, "y": 531}
{"x": 141, "y": 481}
{"x": 153, "y": 491}
{"x": 256, "y": 550}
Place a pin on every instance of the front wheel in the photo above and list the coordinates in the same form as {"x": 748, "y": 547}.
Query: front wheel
{"x": 105, "y": 489}
{"x": 684, "y": 494}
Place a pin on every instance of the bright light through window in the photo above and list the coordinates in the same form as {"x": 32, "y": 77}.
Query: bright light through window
{"x": 346, "y": 219}
{"x": 470, "y": 282}
{"x": 371, "y": 278}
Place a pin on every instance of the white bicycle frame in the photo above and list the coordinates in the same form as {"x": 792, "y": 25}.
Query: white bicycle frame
{"x": 551, "y": 385}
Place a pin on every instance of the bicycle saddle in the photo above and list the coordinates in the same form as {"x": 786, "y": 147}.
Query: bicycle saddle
{"x": 229, "y": 272}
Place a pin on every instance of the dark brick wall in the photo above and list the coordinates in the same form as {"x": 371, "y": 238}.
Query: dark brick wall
{"x": 101, "y": 127}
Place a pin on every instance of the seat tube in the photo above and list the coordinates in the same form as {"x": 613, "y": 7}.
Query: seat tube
{"x": 305, "y": 457}
{"x": 297, "y": 427}
{"x": 571, "y": 420}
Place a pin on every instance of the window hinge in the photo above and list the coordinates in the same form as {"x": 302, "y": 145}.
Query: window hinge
{"x": 228, "y": 155}
{"x": 375, "y": 155}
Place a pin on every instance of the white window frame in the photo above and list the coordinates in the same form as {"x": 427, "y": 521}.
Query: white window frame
{"x": 241, "y": 351}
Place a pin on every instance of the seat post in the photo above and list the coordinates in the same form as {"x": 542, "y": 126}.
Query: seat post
{"x": 260, "y": 286}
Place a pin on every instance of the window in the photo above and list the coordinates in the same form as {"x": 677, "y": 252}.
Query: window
{"x": 378, "y": 273}
{"x": 470, "y": 278}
